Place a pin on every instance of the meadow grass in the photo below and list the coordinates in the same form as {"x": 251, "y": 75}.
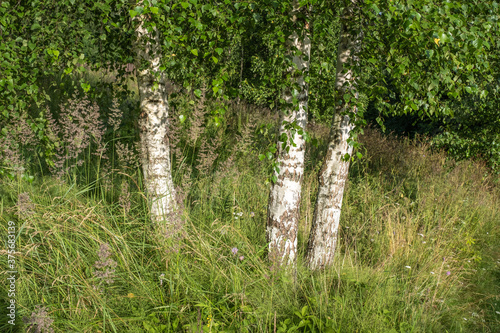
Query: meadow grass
{"x": 419, "y": 249}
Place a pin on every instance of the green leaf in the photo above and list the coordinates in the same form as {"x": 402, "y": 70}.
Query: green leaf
{"x": 185, "y": 5}
{"x": 195, "y": 52}
{"x": 375, "y": 8}
{"x": 304, "y": 311}
{"x": 215, "y": 60}
{"x": 197, "y": 93}
{"x": 219, "y": 50}
{"x": 133, "y": 13}
{"x": 182, "y": 118}
{"x": 269, "y": 155}
{"x": 262, "y": 157}
{"x": 154, "y": 10}
{"x": 139, "y": 9}
{"x": 85, "y": 86}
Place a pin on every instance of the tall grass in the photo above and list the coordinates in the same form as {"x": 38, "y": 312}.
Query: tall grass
{"x": 418, "y": 250}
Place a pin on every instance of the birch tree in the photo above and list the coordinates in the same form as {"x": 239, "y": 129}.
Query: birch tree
{"x": 431, "y": 51}
{"x": 333, "y": 174}
{"x": 285, "y": 195}
{"x": 153, "y": 122}
{"x": 169, "y": 40}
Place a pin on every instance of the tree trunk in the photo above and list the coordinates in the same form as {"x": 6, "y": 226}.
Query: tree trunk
{"x": 284, "y": 199}
{"x": 153, "y": 124}
{"x": 333, "y": 174}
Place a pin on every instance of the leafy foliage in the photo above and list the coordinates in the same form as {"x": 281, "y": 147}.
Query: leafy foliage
{"x": 439, "y": 52}
{"x": 435, "y": 60}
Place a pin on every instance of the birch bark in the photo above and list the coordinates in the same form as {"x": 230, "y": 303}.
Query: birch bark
{"x": 333, "y": 174}
{"x": 153, "y": 123}
{"x": 285, "y": 196}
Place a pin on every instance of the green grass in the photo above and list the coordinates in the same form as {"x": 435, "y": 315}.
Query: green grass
{"x": 419, "y": 251}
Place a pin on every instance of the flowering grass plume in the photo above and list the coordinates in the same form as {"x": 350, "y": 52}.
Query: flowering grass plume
{"x": 105, "y": 265}
{"x": 79, "y": 126}
{"x": 39, "y": 321}
{"x": 115, "y": 115}
{"x": 25, "y": 207}
{"x": 207, "y": 154}
{"x": 127, "y": 156}
{"x": 124, "y": 199}
{"x": 17, "y": 144}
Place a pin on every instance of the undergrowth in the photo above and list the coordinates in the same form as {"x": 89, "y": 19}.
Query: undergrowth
{"x": 418, "y": 250}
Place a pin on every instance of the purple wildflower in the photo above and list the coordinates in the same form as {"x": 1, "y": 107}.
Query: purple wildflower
{"x": 234, "y": 250}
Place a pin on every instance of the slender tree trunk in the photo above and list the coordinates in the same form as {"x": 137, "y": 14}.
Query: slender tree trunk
{"x": 284, "y": 199}
{"x": 333, "y": 174}
{"x": 153, "y": 123}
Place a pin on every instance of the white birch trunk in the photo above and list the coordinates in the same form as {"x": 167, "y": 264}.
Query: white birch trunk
{"x": 153, "y": 123}
{"x": 333, "y": 174}
{"x": 284, "y": 199}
